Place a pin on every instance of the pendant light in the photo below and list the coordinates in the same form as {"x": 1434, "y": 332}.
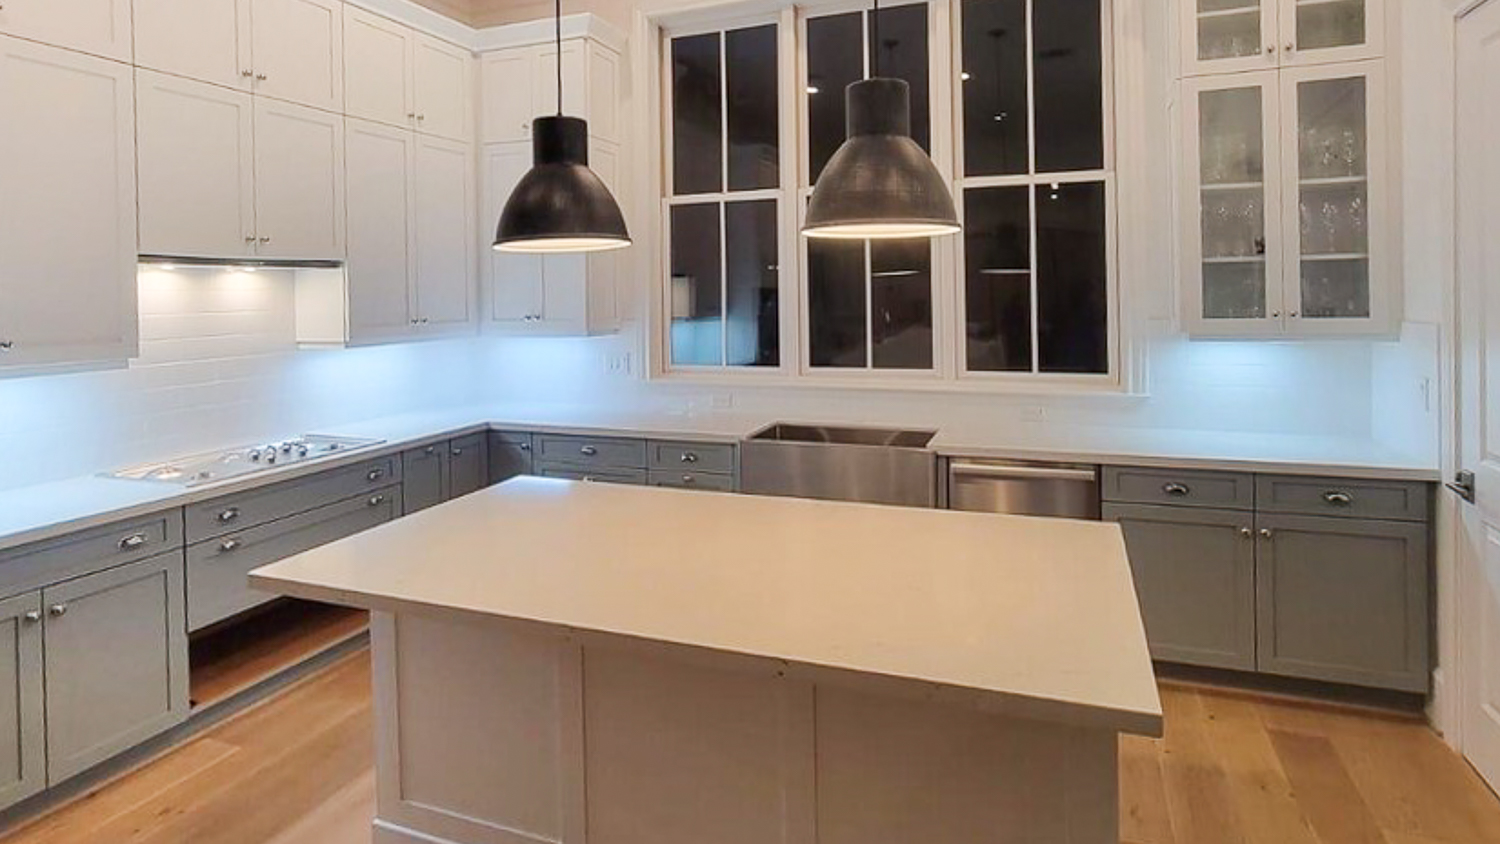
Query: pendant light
{"x": 880, "y": 184}
{"x": 560, "y": 205}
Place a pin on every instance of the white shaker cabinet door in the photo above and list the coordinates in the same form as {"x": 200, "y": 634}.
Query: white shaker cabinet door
{"x": 101, "y": 27}
{"x": 299, "y": 182}
{"x": 380, "y": 266}
{"x": 208, "y": 40}
{"x": 377, "y": 68}
{"x": 67, "y": 199}
{"x": 299, "y": 46}
{"x": 444, "y": 226}
{"x": 197, "y": 168}
{"x": 442, "y": 81}
{"x": 514, "y": 282}
{"x": 510, "y": 80}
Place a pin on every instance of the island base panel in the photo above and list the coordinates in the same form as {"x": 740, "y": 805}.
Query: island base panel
{"x": 489, "y": 732}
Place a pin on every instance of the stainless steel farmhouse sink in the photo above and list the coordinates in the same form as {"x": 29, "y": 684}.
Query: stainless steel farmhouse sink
{"x": 841, "y": 463}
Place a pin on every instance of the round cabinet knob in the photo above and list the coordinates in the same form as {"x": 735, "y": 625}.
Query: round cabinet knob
{"x": 7, "y": 345}
{"x": 229, "y": 545}
{"x": 411, "y": 115}
{"x": 1246, "y": 532}
{"x": 229, "y": 515}
{"x": 689, "y": 457}
{"x": 57, "y": 610}
{"x": 1270, "y": 49}
{"x": 1291, "y": 48}
{"x": 375, "y": 475}
{"x": 421, "y": 117}
{"x": 689, "y": 480}
{"x": 266, "y": 239}
{"x": 261, "y": 77}
{"x": 1265, "y": 533}
{"x": 430, "y": 450}
{"x": 525, "y": 446}
{"x": 458, "y": 452}
{"x": 132, "y": 542}
{"x": 32, "y": 616}
{"x": 376, "y": 500}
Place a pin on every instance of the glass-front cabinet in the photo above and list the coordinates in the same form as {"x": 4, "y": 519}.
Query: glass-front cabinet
{"x": 1285, "y": 203}
{"x": 1225, "y": 36}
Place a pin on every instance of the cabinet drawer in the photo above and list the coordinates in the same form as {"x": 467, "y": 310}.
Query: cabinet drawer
{"x": 1401, "y": 500}
{"x": 217, "y": 569}
{"x": 636, "y": 477}
{"x": 510, "y": 456}
{"x": 257, "y": 507}
{"x": 517, "y": 438}
{"x": 592, "y": 452}
{"x": 692, "y": 457}
{"x": 692, "y": 480}
{"x": 1183, "y": 488}
{"x": 34, "y": 566}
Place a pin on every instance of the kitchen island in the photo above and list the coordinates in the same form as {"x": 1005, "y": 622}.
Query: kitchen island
{"x": 561, "y": 662}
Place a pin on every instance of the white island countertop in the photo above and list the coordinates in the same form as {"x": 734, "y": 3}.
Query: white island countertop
{"x": 1035, "y": 618}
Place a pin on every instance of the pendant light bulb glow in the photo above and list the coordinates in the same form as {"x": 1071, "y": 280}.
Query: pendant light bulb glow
{"x": 560, "y": 205}
{"x": 880, "y": 185}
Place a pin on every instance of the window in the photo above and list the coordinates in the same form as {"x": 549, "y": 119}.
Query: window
{"x": 1027, "y": 291}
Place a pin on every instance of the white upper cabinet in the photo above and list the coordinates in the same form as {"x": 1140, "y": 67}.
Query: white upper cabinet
{"x": 377, "y": 68}
{"x": 298, "y": 50}
{"x": 197, "y": 168}
{"x": 101, "y": 27}
{"x": 509, "y": 83}
{"x": 299, "y": 182}
{"x": 443, "y": 84}
{"x": 444, "y": 236}
{"x": 381, "y": 263}
{"x": 67, "y": 196}
{"x": 520, "y": 84}
{"x": 1223, "y": 36}
{"x": 207, "y": 40}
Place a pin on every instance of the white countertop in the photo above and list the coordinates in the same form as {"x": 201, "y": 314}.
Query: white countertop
{"x": 1032, "y": 617}
{"x": 35, "y": 513}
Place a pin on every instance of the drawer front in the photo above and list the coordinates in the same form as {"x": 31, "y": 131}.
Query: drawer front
{"x": 692, "y": 480}
{"x": 692, "y": 457}
{"x": 217, "y": 569}
{"x": 34, "y": 566}
{"x": 592, "y": 452}
{"x": 257, "y": 507}
{"x": 1185, "y": 488}
{"x": 518, "y": 438}
{"x": 1400, "y": 500}
{"x": 635, "y": 477}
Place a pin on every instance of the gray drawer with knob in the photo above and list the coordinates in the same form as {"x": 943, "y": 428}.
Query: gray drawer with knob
{"x": 591, "y": 452}
{"x": 1398, "y": 500}
{"x": 691, "y": 457}
{"x": 633, "y": 477}
{"x": 691, "y": 480}
{"x": 217, "y": 569}
{"x": 256, "y": 507}
{"x": 510, "y": 455}
{"x": 1182, "y": 488}
{"x": 85, "y": 552}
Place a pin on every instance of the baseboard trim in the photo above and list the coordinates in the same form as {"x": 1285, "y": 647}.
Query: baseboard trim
{"x": 385, "y": 832}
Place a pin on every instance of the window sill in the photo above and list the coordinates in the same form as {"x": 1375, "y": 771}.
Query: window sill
{"x": 894, "y": 382}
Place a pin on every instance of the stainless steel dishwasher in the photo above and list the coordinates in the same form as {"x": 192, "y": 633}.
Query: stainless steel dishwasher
{"x": 1024, "y": 488}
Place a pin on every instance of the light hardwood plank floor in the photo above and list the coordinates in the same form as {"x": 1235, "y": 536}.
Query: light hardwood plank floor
{"x": 1234, "y": 768}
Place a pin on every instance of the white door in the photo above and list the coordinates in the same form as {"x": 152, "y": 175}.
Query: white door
{"x": 441, "y": 80}
{"x": 298, "y": 46}
{"x": 1478, "y": 179}
{"x": 380, "y": 266}
{"x": 509, "y": 101}
{"x": 514, "y": 281}
{"x": 299, "y": 182}
{"x": 101, "y": 27}
{"x": 208, "y": 40}
{"x": 67, "y": 199}
{"x": 377, "y": 68}
{"x": 444, "y": 240}
{"x": 197, "y": 168}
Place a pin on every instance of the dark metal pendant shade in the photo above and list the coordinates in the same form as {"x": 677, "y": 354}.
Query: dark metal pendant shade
{"x": 880, "y": 183}
{"x": 561, "y": 205}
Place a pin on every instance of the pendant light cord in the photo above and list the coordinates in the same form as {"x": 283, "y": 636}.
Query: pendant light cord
{"x": 558, "y": 23}
{"x": 875, "y": 36}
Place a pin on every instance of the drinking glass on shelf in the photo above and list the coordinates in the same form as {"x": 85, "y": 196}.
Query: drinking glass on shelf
{"x": 1352, "y": 159}
{"x": 1330, "y": 221}
{"x": 1358, "y": 224}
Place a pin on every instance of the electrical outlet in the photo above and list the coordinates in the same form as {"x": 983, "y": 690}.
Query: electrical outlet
{"x": 617, "y": 364}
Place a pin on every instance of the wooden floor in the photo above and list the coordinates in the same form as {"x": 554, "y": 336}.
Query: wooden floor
{"x": 1233, "y": 768}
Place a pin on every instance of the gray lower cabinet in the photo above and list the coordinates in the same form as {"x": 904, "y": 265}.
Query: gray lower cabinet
{"x": 116, "y": 667}
{"x": 629, "y": 477}
{"x": 424, "y": 473}
{"x": 23, "y": 769}
{"x": 510, "y": 456}
{"x": 1344, "y": 600}
{"x": 691, "y": 480}
{"x": 1195, "y": 577}
{"x": 467, "y": 468}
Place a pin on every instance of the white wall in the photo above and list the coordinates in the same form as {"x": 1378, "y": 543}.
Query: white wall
{"x": 218, "y": 367}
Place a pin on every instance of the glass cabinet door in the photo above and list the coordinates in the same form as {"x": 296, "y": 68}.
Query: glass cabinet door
{"x": 1317, "y": 31}
{"x": 1232, "y": 260}
{"x": 1335, "y": 203}
{"x": 1223, "y": 36}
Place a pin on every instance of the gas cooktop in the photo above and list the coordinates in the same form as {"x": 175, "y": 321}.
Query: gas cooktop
{"x": 213, "y": 467}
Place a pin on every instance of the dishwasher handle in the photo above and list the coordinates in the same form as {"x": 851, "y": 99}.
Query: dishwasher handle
{"x": 1023, "y": 473}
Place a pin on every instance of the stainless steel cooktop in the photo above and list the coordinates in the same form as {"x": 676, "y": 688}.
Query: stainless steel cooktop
{"x": 213, "y": 467}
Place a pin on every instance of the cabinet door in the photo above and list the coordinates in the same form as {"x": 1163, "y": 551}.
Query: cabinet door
{"x": 207, "y": 40}
{"x": 381, "y": 262}
{"x": 514, "y": 281}
{"x": 101, "y": 27}
{"x": 116, "y": 667}
{"x": 298, "y": 47}
{"x": 509, "y": 456}
{"x": 510, "y": 79}
{"x": 197, "y": 168}
{"x": 22, "y": 728}
{"x": 424, "y": 477}
{"x": 1195, "y": 579}
{"x": 67, "y": 199}
{"x": 299, "y": 182}
{"x": 1223, "y": 36}
{"x": 377, "y": 68}
{"x": 468, "y": 468}
{"x": 575, "y": 81}
{"x": 444, "y": 236}
{"x": 1334, "y": 207}
{"x": 1344, "y": 600}
{"x": 1322, "y": 31}
{"x": 1231, "y": 223}
{"x": 441, "y": 81}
